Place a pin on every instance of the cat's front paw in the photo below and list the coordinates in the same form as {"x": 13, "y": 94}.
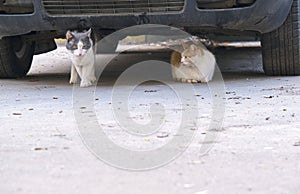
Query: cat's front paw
{"x": 93, "y": 79}
{"x": 84, "y": 84}
{"x": 73, "y": 78}
{"x": 192, "y": 81}
{"x": 73, "y": 81}
{"x": 183, "y": 80}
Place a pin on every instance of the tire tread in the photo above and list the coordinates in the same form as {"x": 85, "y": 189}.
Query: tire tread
{"x": 281, "y": 48}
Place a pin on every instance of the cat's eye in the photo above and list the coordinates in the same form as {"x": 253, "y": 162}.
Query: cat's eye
{"x": 84, "y": 47}
{"x": 74, "y": 47}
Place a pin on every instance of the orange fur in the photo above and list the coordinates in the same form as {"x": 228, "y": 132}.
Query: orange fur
{"x": 194, "y": 64}
{"x": 175, "y": 59}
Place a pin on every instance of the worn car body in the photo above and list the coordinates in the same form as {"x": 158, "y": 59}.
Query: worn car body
{"x": 59, "y": 15}
{"x": 28, "y": 27}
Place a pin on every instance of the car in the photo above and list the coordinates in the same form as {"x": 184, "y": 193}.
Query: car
{"x": 29, "y": 27}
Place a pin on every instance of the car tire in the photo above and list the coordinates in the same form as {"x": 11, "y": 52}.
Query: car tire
{"x": 15, "y": 57}
{"x": 281, "y": 48}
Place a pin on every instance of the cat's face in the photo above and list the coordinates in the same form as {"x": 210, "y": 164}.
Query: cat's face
{"x": 79, "y": 43}
{"x": 188, "y": 54}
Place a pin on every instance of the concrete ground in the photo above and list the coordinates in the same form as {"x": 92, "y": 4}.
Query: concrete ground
{"x": 257, "y": 150}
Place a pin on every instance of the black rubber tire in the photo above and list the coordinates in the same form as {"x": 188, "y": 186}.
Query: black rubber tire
{"x": 15, "y": 57}
{"x": 281, "y": 48}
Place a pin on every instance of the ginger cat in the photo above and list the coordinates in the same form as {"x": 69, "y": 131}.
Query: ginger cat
{"x": 194, "y": 64}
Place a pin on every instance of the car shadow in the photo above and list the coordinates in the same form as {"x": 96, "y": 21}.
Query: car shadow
{"x": 240, "y": 63}
{"x": 234, "y": 63}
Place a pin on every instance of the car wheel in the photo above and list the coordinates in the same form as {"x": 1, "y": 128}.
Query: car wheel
{"x": 15, "y": 57}
{"x": 281, "y": 48}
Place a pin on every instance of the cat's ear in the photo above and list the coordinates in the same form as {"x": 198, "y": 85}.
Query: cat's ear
{"x": 185, "y": 45}
{"x": 193, "y": 47}
{"x": 69, "y": 35}
{"x": 197, "y": 49}
{"x": 89, "y": 32}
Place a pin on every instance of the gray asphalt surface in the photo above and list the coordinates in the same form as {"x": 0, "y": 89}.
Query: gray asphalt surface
{"x": 257, "y": 150}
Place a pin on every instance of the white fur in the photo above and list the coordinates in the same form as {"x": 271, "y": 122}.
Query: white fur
{"x": 199, "y": 68}
{"x": 83, "y": 64}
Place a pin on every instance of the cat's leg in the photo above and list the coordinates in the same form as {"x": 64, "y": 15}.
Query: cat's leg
{"x": 79, "y": 71}
{"x": 92, "y": 73}
{"x": 88, "y": 76}
{"x": 74, "y": 75}
{"x": 85, "y": 82}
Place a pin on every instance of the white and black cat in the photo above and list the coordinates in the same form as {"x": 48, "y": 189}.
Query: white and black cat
{"x": 82, "y": 55}
{"x": 194, "y": 64}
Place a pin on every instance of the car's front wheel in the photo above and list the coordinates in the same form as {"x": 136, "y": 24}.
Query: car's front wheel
{"x": 281, "y": 48}
{"x": 15, "y": 57}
